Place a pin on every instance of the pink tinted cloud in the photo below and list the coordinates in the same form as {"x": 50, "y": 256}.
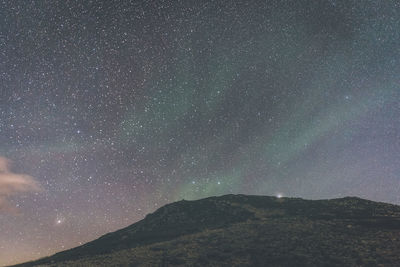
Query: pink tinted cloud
{"x": 12, "y": 184}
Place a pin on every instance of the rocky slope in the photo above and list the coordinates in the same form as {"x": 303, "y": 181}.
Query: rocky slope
{"x": 241, "y": 230}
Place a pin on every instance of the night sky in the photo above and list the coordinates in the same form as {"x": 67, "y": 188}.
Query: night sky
{"x": 111, "y": 109}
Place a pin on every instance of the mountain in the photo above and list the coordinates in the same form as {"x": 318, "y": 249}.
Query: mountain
{"x": 242, "y": 230}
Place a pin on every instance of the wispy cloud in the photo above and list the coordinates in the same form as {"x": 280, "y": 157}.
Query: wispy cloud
{"x": 12, "y": 184}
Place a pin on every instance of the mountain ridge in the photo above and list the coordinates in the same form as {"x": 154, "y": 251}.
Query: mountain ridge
{"x": 186, "y": 223}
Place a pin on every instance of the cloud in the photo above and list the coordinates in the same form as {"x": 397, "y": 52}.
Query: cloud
{"x": 12, "y": 184}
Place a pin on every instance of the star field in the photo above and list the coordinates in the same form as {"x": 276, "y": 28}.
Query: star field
{"x": 111, "y": 109}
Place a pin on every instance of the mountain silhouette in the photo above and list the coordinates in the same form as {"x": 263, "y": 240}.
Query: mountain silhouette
{"x": 242, "y": 230}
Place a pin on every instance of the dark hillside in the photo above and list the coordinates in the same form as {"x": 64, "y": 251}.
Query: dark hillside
{"x": 246, "y": 230}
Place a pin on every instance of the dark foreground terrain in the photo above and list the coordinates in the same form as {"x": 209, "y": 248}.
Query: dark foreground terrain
{"x": 240, "y": 230}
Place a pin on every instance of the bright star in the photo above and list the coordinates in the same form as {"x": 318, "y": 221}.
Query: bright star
{"x": 59, "y": 220}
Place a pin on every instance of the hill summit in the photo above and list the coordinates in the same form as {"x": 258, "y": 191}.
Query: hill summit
{"x": 242, "y": 230}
